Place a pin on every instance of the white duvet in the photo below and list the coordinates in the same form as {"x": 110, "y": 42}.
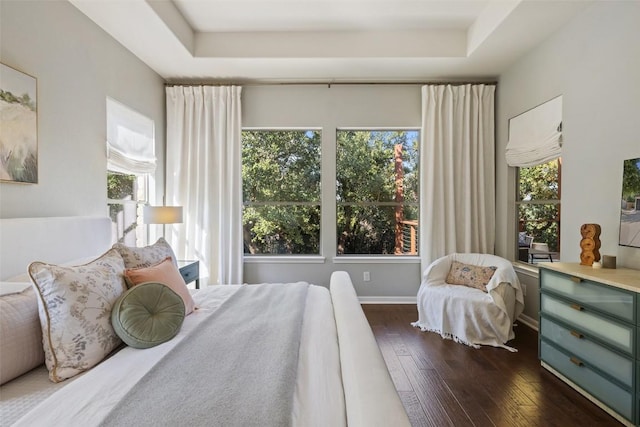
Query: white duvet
{"x": 318, "y": 398}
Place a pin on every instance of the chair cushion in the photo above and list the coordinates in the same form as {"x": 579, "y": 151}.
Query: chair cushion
{"x": 147, "y": 315}
{"x": 474, "y": 276}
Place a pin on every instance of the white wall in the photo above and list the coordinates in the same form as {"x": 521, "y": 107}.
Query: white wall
{"x": 594, "y": 63}
{"x": 328, "y": 108}
{"x": 77, "y": 65}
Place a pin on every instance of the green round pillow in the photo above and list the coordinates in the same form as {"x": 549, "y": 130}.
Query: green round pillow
{"x": 147, "y": 315}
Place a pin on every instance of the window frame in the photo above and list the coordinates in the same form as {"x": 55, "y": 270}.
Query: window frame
{"x": 391, "y": 257}
{"x": 296, "y": 257}
{"x": 142, "y": 185}
{"x": 550, "y": 202}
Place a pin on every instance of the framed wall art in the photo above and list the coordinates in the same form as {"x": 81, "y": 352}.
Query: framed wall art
{"x": 630, "y": 212}
{"x": 18, "y": 126}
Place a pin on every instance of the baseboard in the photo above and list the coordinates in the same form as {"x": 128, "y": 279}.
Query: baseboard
{"x": 388, "y": 300}
{"x": 530, "y": 322}
{"x": 524, "y": 319}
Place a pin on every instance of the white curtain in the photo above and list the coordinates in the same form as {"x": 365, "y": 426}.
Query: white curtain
{"x": 535, "y": 136}
{"x": 457, "y": 192}
{"x": 204, "y": 176}
{"x": 130, "y": 140}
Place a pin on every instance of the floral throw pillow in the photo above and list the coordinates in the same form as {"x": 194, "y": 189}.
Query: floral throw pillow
{"x": 146, "y": 256}
{"x": 74, "y": 306}
{"x": 473, "y": 276}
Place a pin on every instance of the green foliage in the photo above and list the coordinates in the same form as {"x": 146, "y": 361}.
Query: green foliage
{"x": 542, "y": 222}
{"x": 540, "y": 182}
{"x": 281, "y": 192}
{"x": 537, "y": 185}
{"x": 367, "y": 192}
{"x": 631, "y": 179}
{"x": 120, "y": 186}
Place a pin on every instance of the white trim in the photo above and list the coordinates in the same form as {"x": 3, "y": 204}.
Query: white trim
{"x": 526, "y": 269}
{"x": 382, "y": 259}
{"x": 284, "y": 259}
{"x": 388, "y": 300}
{"x": 529, "y": 321}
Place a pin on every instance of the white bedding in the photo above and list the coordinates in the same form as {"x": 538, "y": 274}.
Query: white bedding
{"x": 326, "y": 369}
{"x": 318, "y": 398}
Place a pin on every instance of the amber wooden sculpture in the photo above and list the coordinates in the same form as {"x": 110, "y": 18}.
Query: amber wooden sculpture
{"x": 590, "y": 244}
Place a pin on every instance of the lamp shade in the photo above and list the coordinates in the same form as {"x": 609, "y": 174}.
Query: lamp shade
{"x": 162, "y": 214}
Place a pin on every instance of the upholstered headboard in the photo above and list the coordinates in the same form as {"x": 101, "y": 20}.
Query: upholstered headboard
{"x": 51, "y": 239}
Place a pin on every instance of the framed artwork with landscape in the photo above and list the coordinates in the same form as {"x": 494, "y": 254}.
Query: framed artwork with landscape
{"x": 18, "y": 126}
{"x": 630, "y": 212}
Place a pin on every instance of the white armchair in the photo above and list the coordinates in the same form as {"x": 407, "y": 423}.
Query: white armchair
{"x": 465, "y": 314}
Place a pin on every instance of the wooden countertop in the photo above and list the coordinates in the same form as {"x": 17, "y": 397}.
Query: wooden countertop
{"x": 624, "y": 278}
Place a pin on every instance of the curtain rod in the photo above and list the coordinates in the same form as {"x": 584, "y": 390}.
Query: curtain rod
{"x": 329, "y": 84}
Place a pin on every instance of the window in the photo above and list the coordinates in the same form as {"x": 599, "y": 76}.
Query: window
{"x": 126, "y": 195}
{"x": 281, "y": 192}
{"x": 377, "y": 192}
{"x": 130, "y": 167}
{"x": 538, "y": 210}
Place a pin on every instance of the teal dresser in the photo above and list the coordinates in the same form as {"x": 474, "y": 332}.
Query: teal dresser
{"x": 590, "y": 334}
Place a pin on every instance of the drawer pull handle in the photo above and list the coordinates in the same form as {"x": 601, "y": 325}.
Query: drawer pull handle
{"x": 577, "y": 307}
{"x": 576, "y": 279}
{"x": 576, "y": 362}
{"x": 577, "y": 334}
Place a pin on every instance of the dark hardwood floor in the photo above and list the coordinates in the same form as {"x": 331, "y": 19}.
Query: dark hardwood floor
{"x": 442, "y": 383}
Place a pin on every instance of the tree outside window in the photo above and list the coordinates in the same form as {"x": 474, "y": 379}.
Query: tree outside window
{"x": 126, "y": 195}
{"x": 377, "y": 192}
{"x": 281, "y": 192}
{"x": 538, "y": 205}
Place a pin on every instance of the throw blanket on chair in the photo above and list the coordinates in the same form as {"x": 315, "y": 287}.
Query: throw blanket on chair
{"x": 242, "y": 361}
{"x": 468, "y": 315}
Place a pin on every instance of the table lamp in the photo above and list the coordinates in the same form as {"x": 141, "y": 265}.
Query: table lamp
{"x": 162, "y": 215}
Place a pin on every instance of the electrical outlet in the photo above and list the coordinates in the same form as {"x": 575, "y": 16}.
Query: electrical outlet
{"x": 366, "y": 276}
{"x": 524, "y": 289}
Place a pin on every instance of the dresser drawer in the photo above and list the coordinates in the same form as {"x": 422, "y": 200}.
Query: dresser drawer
{"x": 614, "y": 364}
{"x": 616, "y": 302}
{"x": 617, "y": 334}
{"x": 612, "y": 395}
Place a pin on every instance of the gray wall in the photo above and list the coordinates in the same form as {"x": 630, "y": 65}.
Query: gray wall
{"x": 328, "y": 108}
{"x": 594, "y": 63}
{"x": 77, "y": 65}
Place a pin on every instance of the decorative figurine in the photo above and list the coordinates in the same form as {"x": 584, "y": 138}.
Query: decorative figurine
{"x": 590, "y": 244}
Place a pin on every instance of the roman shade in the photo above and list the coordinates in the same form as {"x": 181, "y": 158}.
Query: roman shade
{"x": 130, "y": 140}
{"x": 535, "y": 136}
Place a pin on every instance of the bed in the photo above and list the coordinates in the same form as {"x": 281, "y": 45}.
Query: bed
{"x": 335, "y": 376}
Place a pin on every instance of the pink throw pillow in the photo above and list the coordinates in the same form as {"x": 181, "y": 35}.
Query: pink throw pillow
{"x": 164, "y": 272}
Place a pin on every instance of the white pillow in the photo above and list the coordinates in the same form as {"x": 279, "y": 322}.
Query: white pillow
{"x": 146, "y": 256}
{"x": 9, "y": 288}
{"x": 75, "y": 312}
{"x": 20, "y": 333}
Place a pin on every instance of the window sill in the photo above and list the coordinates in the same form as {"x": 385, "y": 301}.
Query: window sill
{"x": 346, "y": 259}
{"x": 284, "y": 259}
{"x": 526, "y": 269}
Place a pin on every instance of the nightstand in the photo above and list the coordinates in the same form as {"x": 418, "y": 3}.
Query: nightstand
{"x": 190, "y": 271}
